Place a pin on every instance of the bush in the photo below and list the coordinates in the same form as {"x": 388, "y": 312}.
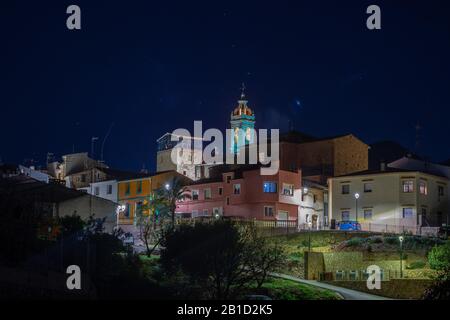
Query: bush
{"x": 439, "y": 257}
{"x": 391, "y": 240}
{"x": 354, "y": 242}
{"x": 416, "y": 265}
{"x": 296, "y": 256}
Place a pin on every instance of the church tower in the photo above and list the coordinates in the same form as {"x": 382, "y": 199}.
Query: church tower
{"x": 242, "y": 123}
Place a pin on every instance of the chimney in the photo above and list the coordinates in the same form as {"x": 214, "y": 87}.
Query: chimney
{"x": 383, "y": 166}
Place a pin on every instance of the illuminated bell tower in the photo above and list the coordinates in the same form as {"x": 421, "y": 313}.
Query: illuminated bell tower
{"x": 242, "y": 123}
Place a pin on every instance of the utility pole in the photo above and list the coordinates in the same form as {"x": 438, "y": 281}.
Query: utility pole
{"x": 93, "y": 139}
{"x": 104, "y": 140}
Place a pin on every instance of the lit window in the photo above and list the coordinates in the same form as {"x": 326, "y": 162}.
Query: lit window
{"x": 407, "y": 213}
{"x": 269, "y": 187}
{"x": 288, "y": 189}
{"x": 423, "y": 188}
{"x": 345, "y": 189}
{"x": 367, "y": 187}
{"x": 194, "y": 213}
{"x": 207, "y": 193}
{"x": 237, "y": 188}
{"x": 268, "y": 211}
{"x": 368, "y": 214}
{"x": 408, "y": 186}
{"x": 194, "y": 194}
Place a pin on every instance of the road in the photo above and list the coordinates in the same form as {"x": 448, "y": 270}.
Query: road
{"x": 347, "y": 294}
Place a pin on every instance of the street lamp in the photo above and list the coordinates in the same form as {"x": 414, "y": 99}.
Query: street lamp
{"x": 401, "y": 255}
{"x": 356, "y": 200}
{"x": 167, "y": 186}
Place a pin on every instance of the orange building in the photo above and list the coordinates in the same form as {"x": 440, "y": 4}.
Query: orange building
{"x": 134, "y": 192}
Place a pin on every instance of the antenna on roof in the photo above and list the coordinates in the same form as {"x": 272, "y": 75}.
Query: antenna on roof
{"x": 93, "y": 139}
{"x": 418, "y": 127}
{"x": 104, "y": 140}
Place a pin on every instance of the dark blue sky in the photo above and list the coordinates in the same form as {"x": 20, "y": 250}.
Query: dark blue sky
{"x": 154, "y": 66}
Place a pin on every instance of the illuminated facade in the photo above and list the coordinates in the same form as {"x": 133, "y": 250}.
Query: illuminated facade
{"x": 242, "y": 123}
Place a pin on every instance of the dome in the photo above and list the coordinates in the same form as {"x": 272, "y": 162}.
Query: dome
{"x": 242, "y": 109}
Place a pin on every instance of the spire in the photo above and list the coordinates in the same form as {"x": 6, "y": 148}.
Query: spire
{"x": 243, "y": 91}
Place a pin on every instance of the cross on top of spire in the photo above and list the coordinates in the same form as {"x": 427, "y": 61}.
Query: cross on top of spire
{"x": 243, "y": 91}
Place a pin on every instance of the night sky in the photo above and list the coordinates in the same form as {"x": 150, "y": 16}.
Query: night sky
{"x": 150, "y": 67}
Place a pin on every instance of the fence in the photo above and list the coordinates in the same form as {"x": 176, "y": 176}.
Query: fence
{"x": 399, "y": 229}
{"x": 356, "y": 275}
{"x": 267, "y": 227}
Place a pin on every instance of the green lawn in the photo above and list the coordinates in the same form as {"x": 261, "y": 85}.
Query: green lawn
{"x": 281, "y": 289}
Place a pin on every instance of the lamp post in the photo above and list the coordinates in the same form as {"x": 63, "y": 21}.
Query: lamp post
{"x": 401, "y": 255}
{"x": 356, "y": 200}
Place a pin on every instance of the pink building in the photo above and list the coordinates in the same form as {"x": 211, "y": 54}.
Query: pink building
{"x": 246, "y": 194}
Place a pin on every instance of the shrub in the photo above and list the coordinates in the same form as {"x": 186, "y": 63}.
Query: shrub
{"x": 375, "y": 239}
{"x": 439, "y": 257}
{"x": 391, "y": 240}
{"x": 354, "y": 242}
{"x": 296, "y": 256}
{"x": 416, "y": 265}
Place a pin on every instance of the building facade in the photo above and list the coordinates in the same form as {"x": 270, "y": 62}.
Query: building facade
{"x": 320, "y": 159}
{"x": 391, "y": 200}
{"x": 103, "y": 189}
{"x": 245, "y": 194}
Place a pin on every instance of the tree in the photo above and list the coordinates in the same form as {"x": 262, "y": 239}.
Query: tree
{"x": 171, "y": 193}
{"x": 221, "y": 258}
{"x": 151, "y": 229}
{"x": 439, "y": 259}
{"x": 265, "y": 256}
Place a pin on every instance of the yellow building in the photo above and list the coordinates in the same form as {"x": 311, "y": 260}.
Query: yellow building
{"x": 135, "y": 192}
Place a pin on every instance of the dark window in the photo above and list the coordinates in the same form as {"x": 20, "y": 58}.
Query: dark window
{"x": 237, "y": 189}
{"x": 368, "y": 214}
{"x": 109, "y": 189}
{"x": 440, "y": 191}
{"x": 228, "y": 201}
{"x": 220, "y": 191}
{"x": 345, "y": 215}
{"x": 367, "y": 187}
{"x": 268, "y": 211}
{"x": 127, "y": 188}
{"x": 345, "y": 189}
{"x": 139, "y": 187}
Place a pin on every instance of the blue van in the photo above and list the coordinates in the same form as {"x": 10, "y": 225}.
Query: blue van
{"x": 349, "y": 225}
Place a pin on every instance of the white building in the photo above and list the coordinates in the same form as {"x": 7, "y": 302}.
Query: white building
{"x": 188, "y": 162}
{"x": 103, "y": 189}
{"x": 390, "y": 200}
{"x": 311, "y": 212}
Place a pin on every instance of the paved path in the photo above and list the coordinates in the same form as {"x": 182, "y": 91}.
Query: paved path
{"x": 347, "y": 294}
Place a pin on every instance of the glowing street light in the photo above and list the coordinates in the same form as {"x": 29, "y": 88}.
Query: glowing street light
{"x": 167, "y": 186}
{"x": 356, "y": 200}
{"x": 401, "y": 255}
